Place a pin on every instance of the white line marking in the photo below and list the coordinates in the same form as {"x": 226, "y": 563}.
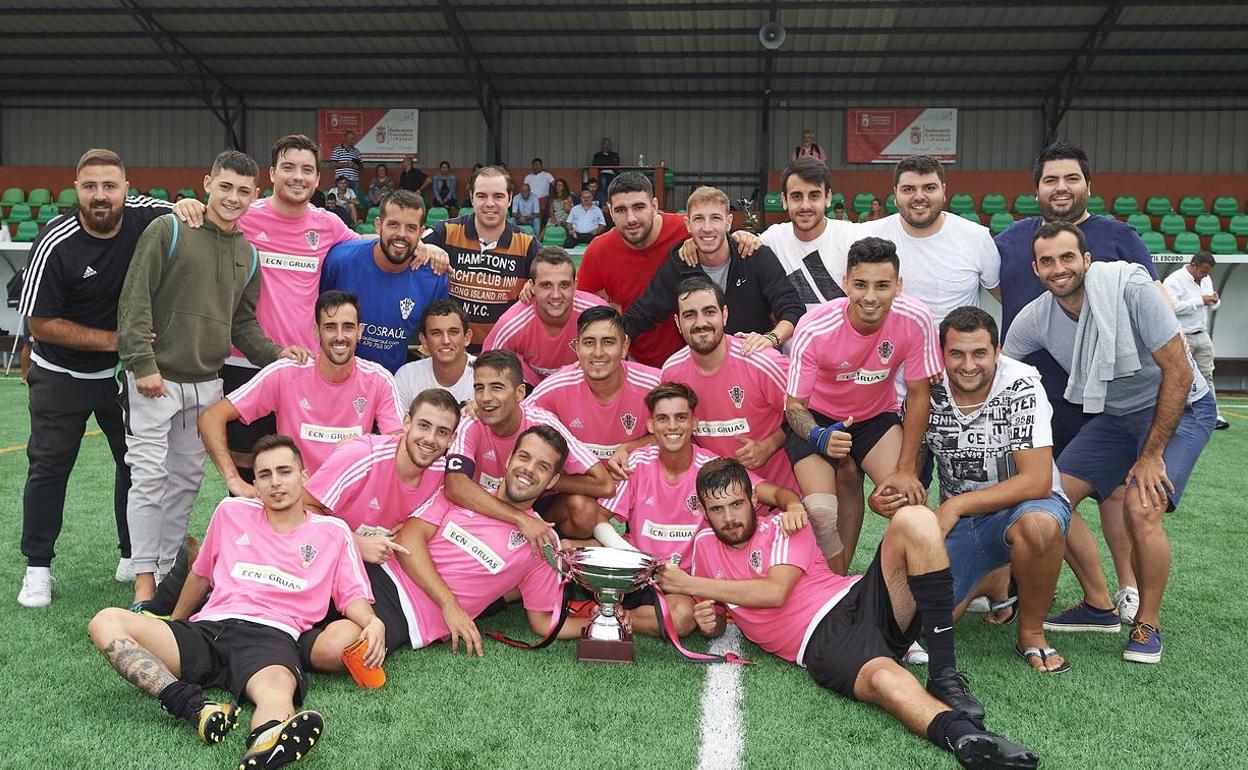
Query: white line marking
{"x": 720, "y": 725}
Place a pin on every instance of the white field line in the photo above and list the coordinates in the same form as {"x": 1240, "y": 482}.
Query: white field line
{"x": 720, "y": 725}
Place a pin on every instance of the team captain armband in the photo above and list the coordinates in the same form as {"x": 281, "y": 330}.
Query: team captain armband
{"x": 461, "y": 464}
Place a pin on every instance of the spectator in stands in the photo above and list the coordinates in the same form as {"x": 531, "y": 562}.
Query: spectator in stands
{"x": 334, "y": 207}
{"x": 444, "y": 187}
{"x": 605, "y": 155}
{"x": 560, "y": 205}
{"x": 838, "y": 212}
{"x": 382, "y": 183}
{"x": 585, "y": 221}
{"x": 809, "y": 148}
{"x": 347, "y": 199}
{"x": 600, "y": 194}
{"x": 539, "y": 180}
{"x": 526, "y": 210}
{"x": 346, "y": 160}
{"x": 1191, "y": 292}
{"x": 179, "y": 196}
{"x": 467, "y": 202}
{"x": 875, "y": 212}
{"x": 411, "y": 178}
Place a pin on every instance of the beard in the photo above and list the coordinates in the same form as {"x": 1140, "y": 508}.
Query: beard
{"x": 101, "y": 221}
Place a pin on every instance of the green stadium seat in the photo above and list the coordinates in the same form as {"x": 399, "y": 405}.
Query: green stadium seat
{"x": 961, "y": 202}
{"x": 890, "y": 203}
{"x": 1172, "y": 224}
{"x": 1125, "y": 205}
{"x": 1225, "y": 206}
{"x": 67, "y": 198}
{"x": 1238, "y": 225}
{"x": 26, "y": 231}
{"x": 1223, "y": 243}
{"x": 1192, "y": 206}
{"x": 1158, "y": 206}
{"x": 133, "y": 192}
{"x": 372, "y": 214}
{"x": 1186, "y": 243}
{"x": 365, "y": 229}
{"x": 1000, "y": 222}
{"x": 972, "y": 216}
{"x": 862, "y": 202}
{"x": 12, "y": 195}
{"x": 554, "y": 236}
{"x": 1153, "y": 241}
{"x": 836, "y": 198}
{"x": 1141, "y": 222}
{"x": 526, "y": 229}
{"x": 40, "y": 196}
{"x": 47, "y": 212}
{"x": 1207, "y": 224}
{"x": 268, "y": 192}
{"x": 186, "y": 192}
{"x": 437, "y": 214}
{"x": 1026, "y": 206}
{"x": 159, "y": 193}
{"x": 993, "y": 203}
{"x": 1096, "y": 205}
{"x": 773, "y": 203}
{"x": 20, "y": 213}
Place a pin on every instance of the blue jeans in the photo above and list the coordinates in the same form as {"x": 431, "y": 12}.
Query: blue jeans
{"x": 979, "y": 544}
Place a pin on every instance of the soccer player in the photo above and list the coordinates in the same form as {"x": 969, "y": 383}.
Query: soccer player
{"x": 848, "y": 632}
{"x": 659, "y": 500}
{"x": 1153, "y": 411}
{"x": 445, "y": 335}
{"x": 845, "y": 356}
{"x": 476, "y": 461}
{"x": 542, "y": 333}
{"x": 273, "y": 569}
{"x": 318, "y": 403}
{"x": 393, "y": 296}
{"x": 455, "y": 563}
{"x": 77, "y": 266}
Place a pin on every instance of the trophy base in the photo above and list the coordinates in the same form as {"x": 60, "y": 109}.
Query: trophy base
{"x": 604, "y": 650}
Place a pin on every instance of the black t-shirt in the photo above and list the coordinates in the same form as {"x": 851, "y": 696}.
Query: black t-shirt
{"x": 78, "y": 277}
{"x": 606, "y": 159}
{"x": 412, "y": 180}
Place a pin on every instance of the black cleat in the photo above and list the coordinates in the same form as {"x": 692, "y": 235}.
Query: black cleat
{"x": 989, "y": 751}
{"x": 284, "y": 743}
{"x": 950, "y": 688}
{"x": 216, "y": 720}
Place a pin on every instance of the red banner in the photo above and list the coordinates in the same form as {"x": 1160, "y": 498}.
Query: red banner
{"x": 888, "y": 135}
{"x": 379, "y": 134}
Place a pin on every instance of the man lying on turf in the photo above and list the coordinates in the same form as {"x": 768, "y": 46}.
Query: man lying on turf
{"x": 456, "y": 562}
{"x": 273, "y": 568}
{"x": 848, "y": 631}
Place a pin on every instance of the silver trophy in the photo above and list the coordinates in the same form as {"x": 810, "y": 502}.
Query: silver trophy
{"x": 751, "y": 217}
{"x": 609, "y": 574}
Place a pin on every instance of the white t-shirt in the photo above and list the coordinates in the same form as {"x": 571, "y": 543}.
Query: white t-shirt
{"x": 816, "y": 268}
{"x": 411, "y": 378}
{"x": 944, "y": 270}
{"x": 539, "y": 184}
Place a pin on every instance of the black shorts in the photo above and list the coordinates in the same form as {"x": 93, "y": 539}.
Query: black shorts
{"x": 643, "y": 597}
{"x": 860, "y": 628}
{"x": 240, "y": 437}
{"x": 865, "y": 434}
{"x": 228, "y": 653}
{"x": 386, "y": 607}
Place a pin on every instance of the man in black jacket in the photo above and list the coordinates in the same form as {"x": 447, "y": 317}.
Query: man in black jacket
{"x": 764, "y": 307}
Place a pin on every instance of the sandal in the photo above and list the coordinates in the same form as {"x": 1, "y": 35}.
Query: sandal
{"x": 1043, "y": 654}
{"x": 994, "y": 608}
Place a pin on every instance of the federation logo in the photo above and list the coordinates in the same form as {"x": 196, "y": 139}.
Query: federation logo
{"x": 359, "y": 405}
{"x": 885, "y": 350}
{"x": 406, "y": 306}
{"x": 381, "y": 134}
{"x": 312, "y": 237}
{"x": 691, "y": 502}
{"x": 756, "y": 561}
{"x": 307, "y": 552}
{"x": 515, "y": 540}
{"x": 737, "y": 394}
{"x": 916, "y": 134}
{"x": 629, "y": 421}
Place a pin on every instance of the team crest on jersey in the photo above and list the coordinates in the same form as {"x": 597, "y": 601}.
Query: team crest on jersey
{"x": 692, "y": 503}
{"x": 406, "y": 306}
{"x": 312, "y": 237}
{"x": 629, "y": 421}
{"x": 737, "y": 394}
{"x": 675, "y": 560}
{"x": 359, "y": 405}
{"x": 885, "y": 350}
{"x": 515, "y": 540}
{"x": 756, "y": 561}
{"x": 307, "y": 552}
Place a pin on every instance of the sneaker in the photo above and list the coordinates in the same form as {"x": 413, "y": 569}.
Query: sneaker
{"x": 1220, "y": 423}
{"x": 283, "y": 743}
{"x": 1083, "y": 617}
{"x": 989, "y": 750}
{"x": 1144, "y": 646}
{"x": 915, "y": 656}
{"x": 980, "y": 605}
{"x": 216, "y": 720}
{"x": 36, "y": 588}
{"x": 950, "y": 688}
{"x": 125, "y": 570}
{"x": 1127, "y": 600}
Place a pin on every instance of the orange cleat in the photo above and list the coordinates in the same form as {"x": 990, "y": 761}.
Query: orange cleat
{"x": 353, "y": 659}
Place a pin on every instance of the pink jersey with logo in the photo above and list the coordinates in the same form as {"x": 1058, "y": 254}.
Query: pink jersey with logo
{"x": 359, "y": 483}
{"x": 662, "y": 515}
{"x": 317, "y": 413}
{"x": 743, "y": 399}
{"x": 846, "y": 374}
{"x": 480, "y": 559}
{"x": 292, "y": 251}
{"x": 479, "y": 450}
{"x": 521, "y": 331}
{"x": 283, "y": 580}
{"x": 601, "y": 427}
{"x": 783, "y": 631}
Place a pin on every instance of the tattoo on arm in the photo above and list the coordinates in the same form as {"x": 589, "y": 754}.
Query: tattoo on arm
{"x": 799, "y": 417}
{"x": 138, "y": 666}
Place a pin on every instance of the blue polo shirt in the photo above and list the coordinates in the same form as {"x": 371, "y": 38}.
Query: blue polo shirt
{"x": 390, "y": 303}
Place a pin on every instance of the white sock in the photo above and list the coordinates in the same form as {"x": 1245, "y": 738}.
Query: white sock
{"x": 39, "y": 572}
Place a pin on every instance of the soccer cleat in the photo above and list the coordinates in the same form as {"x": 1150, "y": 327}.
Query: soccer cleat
{"x": 1144, "y": 646}
{"x": 353, "y": 659}
{"x": 125, "y": 570}
{"x": 284, "y": 743}
{"x": 1127, "y": 600}
{"x": 915, "y": 656}
{"x": 216, "y": 720}
{"x": 1082, "y": 617}
{"x": 989, "y": 751}
{"x": 36, "y": 589}
{"x": 979, "y": 605}
{"x": 949, "y": 687}
{"x": 1220, "y": 423}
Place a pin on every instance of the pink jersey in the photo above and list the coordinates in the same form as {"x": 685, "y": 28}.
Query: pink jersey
{"x": 662, "y": 515}
{"x": 743, "y": 399}
{"x": 359, "y": 483}
{"x": 284, "y": 580}
{"x": 480, "y": 558}
{"x": 601, "y": 427}
{"x": 846, "y": 374}
{"x": 317, "y": 413}
{"x": 521, "y": 331}
{"x": 482, "y": 454}
{"x": 783, "y": 631}
{"x": 292, "y": 252}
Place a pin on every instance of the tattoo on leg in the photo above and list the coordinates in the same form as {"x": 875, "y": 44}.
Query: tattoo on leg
{"x": 139, "y": 667}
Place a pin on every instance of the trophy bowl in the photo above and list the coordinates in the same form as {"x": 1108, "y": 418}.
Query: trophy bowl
{"x": 609, "y": 574}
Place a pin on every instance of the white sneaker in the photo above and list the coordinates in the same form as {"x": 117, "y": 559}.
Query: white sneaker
{"x": 915, "y": 656}
{"x": 1127, "y": 600}
{"x": 125, "y": 571}
{"x": 980, "y": 604}
{"x": 36, "y": 588}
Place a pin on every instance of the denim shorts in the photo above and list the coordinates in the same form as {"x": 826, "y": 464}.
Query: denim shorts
{"x": 979, "y": 544}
